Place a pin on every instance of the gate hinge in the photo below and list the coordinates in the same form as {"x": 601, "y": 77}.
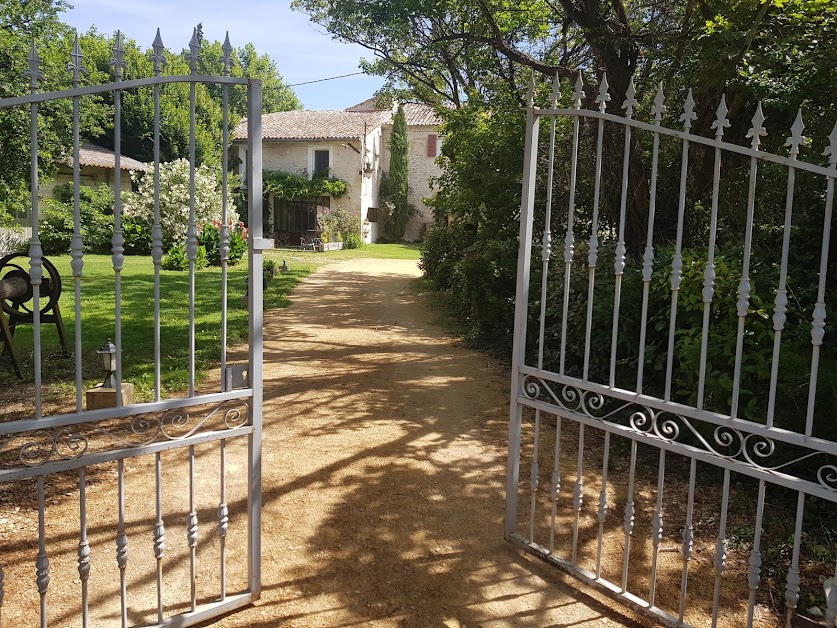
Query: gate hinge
{"x": 236, "y": 377}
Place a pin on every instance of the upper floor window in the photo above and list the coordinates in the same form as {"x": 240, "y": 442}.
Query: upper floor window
{"x": 319, "y": 161}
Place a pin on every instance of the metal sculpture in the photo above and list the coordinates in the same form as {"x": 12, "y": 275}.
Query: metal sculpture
{"x": 15, "y": 295}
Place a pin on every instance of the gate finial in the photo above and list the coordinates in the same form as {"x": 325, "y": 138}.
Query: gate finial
{"x": 578, "y": 94}
{"x": 530, "y": 91}
{"x": 659, "y": 105}
{"x": 757, "y": 131}
{"x": 33, "y": 72}
{"x": 604, "y": 97}
{"x": 556, "y": 90}
{"x": 158, "y": 56}
{"x": 721, "y": 122}
{"x": 76, "y": 64}
{"x": 118, "y": 59}
{"x": 193, "y": 56}
{"x": 227, "y": 58}
{"x": 630, "y": 100}
{"x": 688, "y": 114}
{"x": 831, "y": 150}
{"x": 796, "y": 140}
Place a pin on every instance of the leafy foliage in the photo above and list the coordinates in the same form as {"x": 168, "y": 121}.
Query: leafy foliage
{"x": 175, "y": 199}
{"x": 96, "y": 219}
{"x": 395, "y": 186}
{"x": 210, "y": 239}
{"x": 289, "y": 186}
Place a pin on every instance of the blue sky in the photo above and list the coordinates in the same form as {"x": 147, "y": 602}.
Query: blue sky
{"x": 302, "y": 50}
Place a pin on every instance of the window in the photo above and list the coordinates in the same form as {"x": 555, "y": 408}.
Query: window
{"x": 300, "y": 215}
{"x": 372, "y": 214}
{"x": 434, "y": 145}
{"x": 319, "y": 161}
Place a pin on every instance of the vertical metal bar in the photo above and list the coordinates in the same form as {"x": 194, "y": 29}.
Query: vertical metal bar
{"x": 780, "y": 303}
{"x": 2, "y": 593}
{"x": 688, "y": 539}
{"x": 619, "y": 262}
{"x": 754, "y": 569}
{"x": 629, "y": 517}
{"x": 578, "y": 491}
{"x": 191, "y": 231}
{"x": 159, "y": 59}
{"x": 223, "y": 520}
{"x": 603, "y": 504}
{"x": 720, "y": 562}
{"x": 225, "y": 229}
{"x": 556, "y": 483}
{"x": 533, "y": 477}
{"x": 83, "y": 547}
{"x": 254, "y": 451}
{"x": 657, "y": 527}
{"x": 192, "y": 531}
{"x": 793, "y": 580}
{"x": 756, "y": 132}
{"x": 830, "y": 597}
{"x": 648, "y": 254}
{"x": 687, "y": 117}
{"x": 709, "y": 274}
{"x": 118, "y": 241}
{"x": 593, "y": 254}
{"x": 546, "y": 254}
{"x": 36, "y": 253}
{"x": 42, "y": 563}
{"x": 569, "y": 239}
{"x": 159, "y": 533}
{"x": 76, "y": 243}
{"x": 524, "y": 260}
{"x": 122, "y": 544}
{"x": 818, "y": 323}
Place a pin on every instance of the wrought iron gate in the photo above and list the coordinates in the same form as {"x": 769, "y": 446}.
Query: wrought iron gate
{"x": 201, "y": 451}
{"x": 622, "y": 404}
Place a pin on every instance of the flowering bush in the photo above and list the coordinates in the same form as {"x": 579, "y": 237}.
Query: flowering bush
{"x": 210, "y": 238}
{"x": 174, "y": 200}
{"x": 338, "y": 223}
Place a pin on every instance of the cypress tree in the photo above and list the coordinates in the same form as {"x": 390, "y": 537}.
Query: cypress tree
{"x": 398, "y": 184}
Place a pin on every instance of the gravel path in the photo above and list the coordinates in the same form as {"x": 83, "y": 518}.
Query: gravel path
{"x": 385, "y": 451}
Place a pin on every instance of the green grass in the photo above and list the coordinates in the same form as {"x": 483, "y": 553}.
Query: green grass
{"x": 98, "y": 325}
{"x": 98, "y": 303}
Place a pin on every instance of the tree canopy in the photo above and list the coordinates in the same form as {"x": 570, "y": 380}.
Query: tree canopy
{"x": 39, "y": 20}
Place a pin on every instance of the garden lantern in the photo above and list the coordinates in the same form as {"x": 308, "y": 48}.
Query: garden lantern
{"x": 108, "y": 353}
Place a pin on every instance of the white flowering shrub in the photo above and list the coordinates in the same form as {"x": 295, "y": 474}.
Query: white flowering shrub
{"x": 12, "y": 241}
{"x": 174, "y": 200}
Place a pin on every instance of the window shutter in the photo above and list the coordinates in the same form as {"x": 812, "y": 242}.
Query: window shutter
{"x": 431, "y": 145}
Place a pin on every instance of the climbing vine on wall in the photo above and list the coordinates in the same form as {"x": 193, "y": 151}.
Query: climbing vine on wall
{"x": 288, "y": 186}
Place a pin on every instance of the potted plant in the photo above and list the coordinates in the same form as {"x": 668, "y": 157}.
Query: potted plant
{"x": 269, "y": 268}
{"x": 339, "y": 240}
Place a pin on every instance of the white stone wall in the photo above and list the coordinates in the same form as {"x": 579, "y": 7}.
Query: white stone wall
{"x": 91, "y": 176}
{"x": 346, "y": 164}
{"x": 421, "y": 168}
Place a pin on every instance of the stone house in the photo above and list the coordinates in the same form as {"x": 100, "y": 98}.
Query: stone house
{"x": 97, "y": 165}
{"x": 353, "y": 145}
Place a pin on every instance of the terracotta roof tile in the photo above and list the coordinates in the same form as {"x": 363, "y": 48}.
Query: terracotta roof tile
{"x": 314, "y": 125}
{"x": 92, "y": 155}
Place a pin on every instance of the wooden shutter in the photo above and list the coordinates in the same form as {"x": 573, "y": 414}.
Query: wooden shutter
{"x": 432, "y": 139}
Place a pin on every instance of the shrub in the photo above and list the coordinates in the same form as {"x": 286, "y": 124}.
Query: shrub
{"x": 210, "y": 238}
{"x": 176, "y": 258}
{"x": 137, "y": 234}
{"x": 353, "y": 241}
{"x": 56, "y": 224}
{"x": 174, "y": 199}
{"x": 12, "y": 240}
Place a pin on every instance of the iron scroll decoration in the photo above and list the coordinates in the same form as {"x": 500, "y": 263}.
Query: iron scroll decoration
{"x": 74, "y": 441}
{"x": 722, "y": 441}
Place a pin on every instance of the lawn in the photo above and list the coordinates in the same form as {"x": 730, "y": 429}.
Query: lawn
{"x": 138, "y": 318}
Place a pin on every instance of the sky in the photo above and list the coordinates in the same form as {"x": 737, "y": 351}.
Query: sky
{"x": 303, "y": 51}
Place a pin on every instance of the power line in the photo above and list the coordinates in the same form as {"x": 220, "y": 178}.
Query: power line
{"x": 330, "y": 78}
